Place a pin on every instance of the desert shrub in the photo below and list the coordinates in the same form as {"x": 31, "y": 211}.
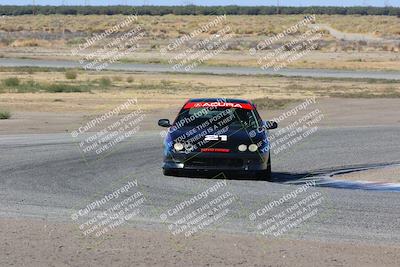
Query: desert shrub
{"x": 4, "y": 115}
{"x": 13, "y": 81}
{"x": 105, "y": 82}
{"x": 65, "y": 88}
{"x": 71, "y": 74}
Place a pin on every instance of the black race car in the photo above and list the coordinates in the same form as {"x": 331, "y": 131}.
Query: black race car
{"x": 213, "y": 135}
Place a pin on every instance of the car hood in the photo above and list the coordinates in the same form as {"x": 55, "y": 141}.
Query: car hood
{"x": 229, "y": 138}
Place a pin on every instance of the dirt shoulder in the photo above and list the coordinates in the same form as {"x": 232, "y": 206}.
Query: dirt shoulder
{"x": 43, "y": 243}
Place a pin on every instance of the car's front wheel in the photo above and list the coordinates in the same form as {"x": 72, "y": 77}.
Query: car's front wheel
{"x": 266, "y": 175}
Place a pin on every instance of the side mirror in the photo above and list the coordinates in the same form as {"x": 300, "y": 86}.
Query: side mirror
{"x": 164, "y": 123}
{"x": 269, "y": 125}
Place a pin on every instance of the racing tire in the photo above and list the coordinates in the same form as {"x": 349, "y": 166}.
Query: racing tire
{"x": 268, "y": 172}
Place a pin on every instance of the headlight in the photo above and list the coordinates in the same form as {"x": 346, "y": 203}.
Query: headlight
{"x": 178, "y": 146}
{"x": 253, "y": 147}
{"x": 242, "y": 147}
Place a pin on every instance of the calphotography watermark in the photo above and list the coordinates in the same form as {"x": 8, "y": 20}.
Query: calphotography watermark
{"x": 288, "y": 212}
{"x": 201, "y": 137}
{"x": 111, "y": 211}
{"x": 200, "y": 211}
{"x": 113, "y": 44}
{"x": 181, "y": 41}
{"x": 288, "y": 136}
{"x": 208, "y": 127}
{"x": 292, "y": 45}
{"x": 190, "y": 50}
{"x": 103, "y": 133}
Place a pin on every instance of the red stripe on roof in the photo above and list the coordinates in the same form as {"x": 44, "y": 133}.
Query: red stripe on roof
{"x": 190, "y": 105}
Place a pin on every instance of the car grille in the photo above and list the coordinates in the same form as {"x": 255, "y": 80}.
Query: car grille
{"x": 214, "y": 162}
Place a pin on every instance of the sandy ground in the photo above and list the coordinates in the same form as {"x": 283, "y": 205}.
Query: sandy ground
{"x": 35, "y": 242}
{"x": 388, "y": 174}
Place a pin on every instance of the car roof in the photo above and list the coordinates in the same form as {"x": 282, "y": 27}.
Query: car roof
{"x": 228, "y": 100}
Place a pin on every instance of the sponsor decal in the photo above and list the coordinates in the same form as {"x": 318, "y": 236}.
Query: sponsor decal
{"x": 190, "y": 105}
{"x": 213, "y": 137}
{"x": 210, "y": 149}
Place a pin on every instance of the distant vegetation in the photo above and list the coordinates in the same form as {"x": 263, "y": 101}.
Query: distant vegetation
{"x": 104, "y": 82}
{"x": 14, "y": 85}
{"x": 13, "y": 81}
{"x": 71, "y": 74}
{"x": 196, "y": 10}
{"x": 4, "y": 115}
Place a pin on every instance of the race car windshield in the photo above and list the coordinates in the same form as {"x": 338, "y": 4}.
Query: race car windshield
{"x": 232, "y": 117}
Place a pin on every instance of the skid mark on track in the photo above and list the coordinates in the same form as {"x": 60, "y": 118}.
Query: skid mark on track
{"x": 328, "y": 180}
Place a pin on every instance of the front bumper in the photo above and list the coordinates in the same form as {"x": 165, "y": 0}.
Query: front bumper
{"x": 245, "y": 161}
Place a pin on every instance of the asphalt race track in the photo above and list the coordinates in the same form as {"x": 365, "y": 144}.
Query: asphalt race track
{"x": 45, "y": 175}
{"x": 392, "y": 75}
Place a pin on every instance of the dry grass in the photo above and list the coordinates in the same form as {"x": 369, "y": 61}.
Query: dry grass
{"x": 247, "y": 32}
{"x": 173, "y": 26}
{"x": 377, "y": 25}
{"x": 30, "y": 43}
